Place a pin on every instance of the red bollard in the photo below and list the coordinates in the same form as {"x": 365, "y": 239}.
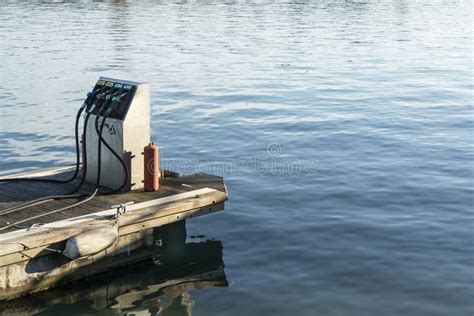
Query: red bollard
{"x": 152, "y": 170}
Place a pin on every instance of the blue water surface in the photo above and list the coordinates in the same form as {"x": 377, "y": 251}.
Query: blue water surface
{"x": 344, "y": 131}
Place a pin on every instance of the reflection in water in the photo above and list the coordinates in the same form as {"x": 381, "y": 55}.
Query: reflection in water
{"x": 378, "y": 92}
{"x": 158, "y": 287}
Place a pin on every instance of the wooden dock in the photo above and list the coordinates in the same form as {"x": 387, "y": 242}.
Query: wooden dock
{"x": 30, "y": 252}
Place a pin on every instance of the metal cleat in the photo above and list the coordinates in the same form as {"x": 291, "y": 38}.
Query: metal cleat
{"x": 122, "y": 208}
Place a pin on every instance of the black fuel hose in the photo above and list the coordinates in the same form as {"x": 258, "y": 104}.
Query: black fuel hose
{"x": 70, "y": 195}
{"x": 120, "y": 159}
{"x": 76, "y": 171}
{"x": 88, "y": 197}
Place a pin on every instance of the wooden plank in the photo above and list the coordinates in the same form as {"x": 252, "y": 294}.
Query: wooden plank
{"x": 184, "y": 201}
{"x": 39, "y": 189}
{"x": 99, "y": 209}
{"x": 98, "y": 204}
{"x": 22, "y": 254}
{"x": 178, "y": 198}
{"x": 6, "y": 201}
{"x": 21, "y": 196}
{"x": 196, "y": 181}
{"x": 44, "y": 188}
{"x": 170, "y": 218}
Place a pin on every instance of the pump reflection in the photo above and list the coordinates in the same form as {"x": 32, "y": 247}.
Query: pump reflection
{"x": 160, "y": 286}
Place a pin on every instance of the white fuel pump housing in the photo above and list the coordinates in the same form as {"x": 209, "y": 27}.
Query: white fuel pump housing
{"x": 126, "y": 108}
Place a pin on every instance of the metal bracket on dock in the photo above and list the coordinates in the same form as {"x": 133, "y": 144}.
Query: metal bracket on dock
{"x": 35, "y": 226}
{"x": 122, "y": 208}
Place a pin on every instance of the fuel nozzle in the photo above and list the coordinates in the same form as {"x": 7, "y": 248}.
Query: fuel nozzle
{"x": 116, "y": 105}
{"x": 119, "y": 98}
{"x": 110, "y": 100}
{"x": 97, "y": 101}
{"x": 101, "y": 96}
{"x": 108, "y": 103}
{"x": 93, "y": 93}
{"x": 90, "y": 98}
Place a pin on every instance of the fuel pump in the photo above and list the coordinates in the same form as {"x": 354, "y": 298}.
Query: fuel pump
{"x": 124, "y": 114}
{"x": 123, "y": 107}
{"x": 102, "y": 112}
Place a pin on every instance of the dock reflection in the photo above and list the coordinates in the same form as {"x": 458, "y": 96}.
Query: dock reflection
{"x": 160, "y": 286}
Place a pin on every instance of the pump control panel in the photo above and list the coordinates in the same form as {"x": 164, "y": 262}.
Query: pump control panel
{"x": 114, "y": 96}
{"x": 123, "y": 108}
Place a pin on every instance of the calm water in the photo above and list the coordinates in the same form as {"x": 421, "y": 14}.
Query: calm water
{"x": 344, "y": 130}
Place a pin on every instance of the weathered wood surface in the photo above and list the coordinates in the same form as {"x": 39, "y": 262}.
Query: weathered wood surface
{"x": 54, "y": 269}
{"x": 178, "y": 198}
{"x": 15, "y": 193}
